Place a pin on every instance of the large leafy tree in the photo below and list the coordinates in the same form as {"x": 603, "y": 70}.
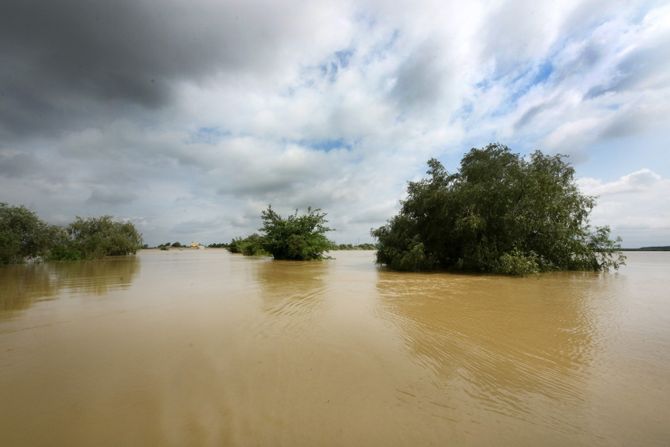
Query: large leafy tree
{"x": 501, "y": 213}
{"x": 297, "y": 237}
{"x": 22, "y": 234}
{"x": 96, "y": 237}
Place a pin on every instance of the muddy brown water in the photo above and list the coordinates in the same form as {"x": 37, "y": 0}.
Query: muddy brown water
{"x": 207, "y": 348}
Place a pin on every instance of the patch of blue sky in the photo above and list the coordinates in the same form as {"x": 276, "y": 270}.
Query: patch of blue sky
{"x": 519, "y": 85}
{"x": 329, "y": 71}
{"x": 331, "y": 67}
{"x": 611, "y": 158}
{"x": 208, "y": 135}
{"x": 344, "y": 57}
{"x": 464, "y": 112}
{"x": 380, "y": 50}
{"x": 530, "y": 79}
{"x": 327, "y": 144}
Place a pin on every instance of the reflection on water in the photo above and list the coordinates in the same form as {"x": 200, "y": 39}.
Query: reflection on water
{"x": 515, "y": 345}
{"x": 97, "y": 277}
{"x": 290, "y": 288}
{"x": 208, "y": 348}
{"x": 504, "y": 335}
{"x": 22, "y": 285}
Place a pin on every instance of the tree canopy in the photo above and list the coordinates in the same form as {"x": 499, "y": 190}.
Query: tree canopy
{"x": 297, "y": 237}
{"x": 249, "y": 246}
{"x": 23, "y": 236}
{"x": 500, "y": 213}
{"x": 96, "y": 237}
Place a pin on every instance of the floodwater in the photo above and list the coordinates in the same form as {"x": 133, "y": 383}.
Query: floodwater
{"x": 207, "y": 348}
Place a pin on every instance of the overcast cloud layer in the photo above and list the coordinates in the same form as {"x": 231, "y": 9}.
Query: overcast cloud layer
{"x": 188, "y": 118}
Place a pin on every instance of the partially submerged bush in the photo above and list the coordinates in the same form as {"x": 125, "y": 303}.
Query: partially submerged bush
{"x": 517, "y": 263}
{"x": 96, "y": 237}
{"x": 298, "y": 237}
{"x": 248, "y": 246}
{"x": 22, "y": 234}
{"x": 501, "y": 213}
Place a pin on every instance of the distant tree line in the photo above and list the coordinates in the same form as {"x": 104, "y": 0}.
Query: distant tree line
{"x": 24, "y": 236}
{"x": 237, "y": 245}
{"x": 365, "y": 246}
{"x": 168, "y": 245}
{"x": 501, "y": 213}
{"x": 218, "y": 245}
{"x": 654, "y": 248}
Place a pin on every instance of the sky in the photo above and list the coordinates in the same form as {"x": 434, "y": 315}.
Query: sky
{"x": 190, "y": 117}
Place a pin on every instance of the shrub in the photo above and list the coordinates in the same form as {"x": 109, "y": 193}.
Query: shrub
{"x": 95, "y": 238}
{"x": 298, "y": 237}
{"x": 517, "y": 263}
{"x": 22, "y": 234}
{"x": 249, "y": 246}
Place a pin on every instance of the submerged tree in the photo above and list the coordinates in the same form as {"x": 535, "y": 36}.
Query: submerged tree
{"x": 298, "y": 237}
{"x": 501, "y": 213}
{"x": 96, "y": 237}
{"x": 22, "y": 234}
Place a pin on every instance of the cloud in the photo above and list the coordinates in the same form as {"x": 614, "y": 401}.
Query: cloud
{"x": 114, "y": 197}
{"x": 194, "y": 117}
{"x": 65, "y": 58}
{"x": 18, "y": 164}
{"x": 636, "y": 206}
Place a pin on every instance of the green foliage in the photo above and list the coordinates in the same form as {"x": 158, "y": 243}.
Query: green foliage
{"x": 95, "y": 238}
{"x": 298, "y": 237}
{"x": 63, "y": 248}
{"x": 517, "y": 263}
{"x": 248, "y": 246}
{"x": 501, "y": 213}
{"x": 218, "y": 245}
{"x": 364, "y": 246}
{"x": 177, "y": 245}
{"x": 22, "y": 234}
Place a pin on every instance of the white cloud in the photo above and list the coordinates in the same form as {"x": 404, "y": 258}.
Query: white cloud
{"x": 636, "y": 206}
{"x": 330, "y": 104}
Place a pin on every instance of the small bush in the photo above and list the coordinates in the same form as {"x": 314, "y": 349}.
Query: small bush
{"x": 517, "y": 263}
{"x": 296, "y": 238}
{"x": 249, "y": 246}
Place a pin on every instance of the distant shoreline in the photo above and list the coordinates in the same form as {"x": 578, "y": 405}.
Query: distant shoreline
{"x": 660, "y": 248}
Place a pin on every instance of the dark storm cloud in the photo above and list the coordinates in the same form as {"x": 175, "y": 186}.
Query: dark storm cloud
{"x": 420, "y": 79}
{"x": 111, "y": 197}
{"x": 531, "y": 114}
{"x": 67, "y": 61}
{"x": 18, "y": 165}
